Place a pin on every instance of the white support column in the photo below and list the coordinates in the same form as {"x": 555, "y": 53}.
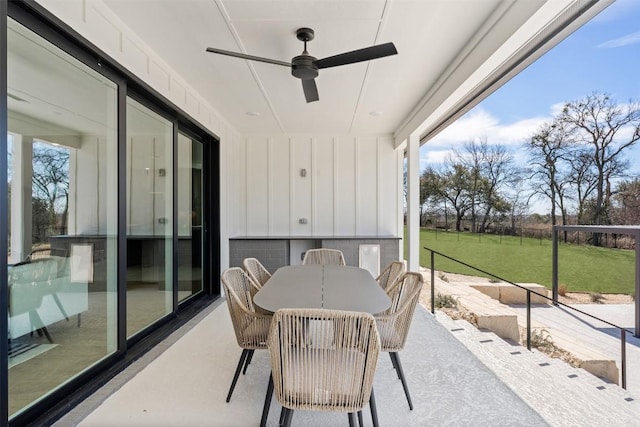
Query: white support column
{"x": 21, "y": 203}
{"x": 413, "y": 202}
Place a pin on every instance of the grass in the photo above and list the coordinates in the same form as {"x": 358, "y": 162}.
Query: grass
{"x": 580, "y": 268}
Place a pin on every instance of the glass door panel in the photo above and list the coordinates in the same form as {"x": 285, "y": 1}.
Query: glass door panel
{"x": 62, "y": 174}
{"x": 149, "y": 216}
{"x": 190, "y": 230}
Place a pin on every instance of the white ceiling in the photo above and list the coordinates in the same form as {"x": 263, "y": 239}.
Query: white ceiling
{"x": 447, "y": 49}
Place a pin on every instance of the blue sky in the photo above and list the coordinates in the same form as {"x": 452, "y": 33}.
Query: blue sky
{"x": 603, "y": 56}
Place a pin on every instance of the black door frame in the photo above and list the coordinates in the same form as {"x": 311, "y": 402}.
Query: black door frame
{"x": 37, "y": 19}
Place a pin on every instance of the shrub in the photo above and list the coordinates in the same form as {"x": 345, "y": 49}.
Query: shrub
{"x": 562, "y": 290}
{"x": 445, "y": 301}
{"x": 443, "y": 277}
{"x": 541, "y": 340}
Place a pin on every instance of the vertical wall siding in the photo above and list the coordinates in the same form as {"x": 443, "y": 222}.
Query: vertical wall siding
{"x": 279, "y": 186}
{"x": 352, "y": 186}
{"x": 257, "y": 191}
{"x": 301, "y": 197}
{"x": 367, "y": 190}
{"x": 323, "y": 186}
{"x": 345, "y": 209}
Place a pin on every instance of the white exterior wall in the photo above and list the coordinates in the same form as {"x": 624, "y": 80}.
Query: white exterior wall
{"x": 351, "y": 188}
{"x": 353, "y": 184}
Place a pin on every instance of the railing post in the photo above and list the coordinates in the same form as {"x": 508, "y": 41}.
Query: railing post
{"x": 637, "y": 287}
{"x": 433, "y": 292}
{"x": 554, "y": 265}
{"x": 528, "y": 320}
{"x": 623, "y": 352}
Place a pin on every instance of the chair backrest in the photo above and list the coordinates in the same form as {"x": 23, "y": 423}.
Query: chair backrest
{"x": 256, "y": 271}
{"x": 391, "y": 274}
{"x": 393, "y": 324}
{"x": 323, "y": 360}
{"x": 324, "y": 256}
{"x": 251, "y": 327}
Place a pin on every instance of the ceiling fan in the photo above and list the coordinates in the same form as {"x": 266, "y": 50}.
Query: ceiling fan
{"x": 305, "y": 67}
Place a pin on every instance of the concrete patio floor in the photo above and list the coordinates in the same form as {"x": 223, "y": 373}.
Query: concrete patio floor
{"x": 184, "y": 381}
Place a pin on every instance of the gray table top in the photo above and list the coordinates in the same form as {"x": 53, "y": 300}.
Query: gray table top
{"x": 323, "y": 286}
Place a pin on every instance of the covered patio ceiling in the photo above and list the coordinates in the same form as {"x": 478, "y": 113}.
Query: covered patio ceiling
{"x": 451, "y": 54}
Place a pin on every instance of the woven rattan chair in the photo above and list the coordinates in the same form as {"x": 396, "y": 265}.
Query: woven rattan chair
{"x": 322, "y": 360}
{"x": 324, "y": 256}
{"x": 391, "y": 274}
{"x": 251, "y": 327}
{"x": 256, "y": 271}
{"x": 393, "y": 324}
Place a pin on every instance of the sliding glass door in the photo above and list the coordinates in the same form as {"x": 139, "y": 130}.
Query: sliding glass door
{"x": 107, "y": 206}
{"x": 190, "y": 216}
{"x": 149, "y": 217}
{"x": 62, "y": 198}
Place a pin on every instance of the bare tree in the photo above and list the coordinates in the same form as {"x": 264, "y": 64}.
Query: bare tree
{"x": 597, "y": 121}
{"x": 498, "y": 171}
{"x": 548, "y": 165}
{"x": 519, "y": 204}
{"x": 491, "y": 169}
{"x": 471, "y": 158}
{"x": 626, "y": 202}
{"x": 430, "y": 191}
{"x": 51, "y": 180}
{"x": 583, "y": 178}
{"x": 456, "y": 189}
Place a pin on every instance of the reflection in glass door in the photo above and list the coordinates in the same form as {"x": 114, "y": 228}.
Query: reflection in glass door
{"x": 190, "y": 229}
{"x": 149, "y": 217}
{"x": 62, "y": 182}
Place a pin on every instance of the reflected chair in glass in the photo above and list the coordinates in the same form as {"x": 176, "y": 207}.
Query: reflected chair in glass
{"x": 393, "y": 324}
{"x": 256, "y": 271}
{"x": 324, "y": 256}
{"x": 391, "y": 274}
{"x": 322, "y": 360}
{"x": 250, "y": 326}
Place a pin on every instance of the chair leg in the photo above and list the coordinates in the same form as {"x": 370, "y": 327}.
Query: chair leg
{"x": 283, "y": 412}
{"x": 402, "y": 378}
{"x": 374, "y": 409}
{"x": 267, "y": 403}
{"x": 360, "y": 422}
{"x": 247, "y": 361}
{"x": 395, "y": 366}
{"x": 288, "y": 417}
{"x": 243, "y": 357}
{"x": 352, "y": 419}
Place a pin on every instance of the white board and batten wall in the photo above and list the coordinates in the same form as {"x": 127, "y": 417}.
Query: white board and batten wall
{"x": 351, "y": 186}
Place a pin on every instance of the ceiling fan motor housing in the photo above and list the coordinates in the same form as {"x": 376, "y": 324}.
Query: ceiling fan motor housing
{"x": 302, "y": 67}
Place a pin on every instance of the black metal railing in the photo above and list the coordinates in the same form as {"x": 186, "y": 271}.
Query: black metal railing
{"x": 623, "y": 331}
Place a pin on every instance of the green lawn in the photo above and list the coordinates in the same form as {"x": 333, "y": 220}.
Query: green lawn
{"x": 580, "y": 268}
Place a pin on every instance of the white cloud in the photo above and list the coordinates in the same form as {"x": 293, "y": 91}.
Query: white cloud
{"x": 430, "y": 157}
{"x": 627, "y": 40}
{"x": 480, "y": 123}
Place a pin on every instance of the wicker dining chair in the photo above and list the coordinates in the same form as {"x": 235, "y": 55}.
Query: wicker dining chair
{"x": 256, "y": 271}
{"x": 393, "y": 324}
{"x": 251, "y": 327}
{"x": 324, "y": 256}
{"x": 322, "y": 360}
{"x": 391, "y": 274}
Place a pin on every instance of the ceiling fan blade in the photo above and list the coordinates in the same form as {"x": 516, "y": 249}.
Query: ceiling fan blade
{"x": 310, "y": 90}
{"x": 373, "y": 52}
{"x": 251, "y": 57}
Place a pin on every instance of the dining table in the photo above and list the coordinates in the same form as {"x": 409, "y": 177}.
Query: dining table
{"x": 335, "y": 287}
